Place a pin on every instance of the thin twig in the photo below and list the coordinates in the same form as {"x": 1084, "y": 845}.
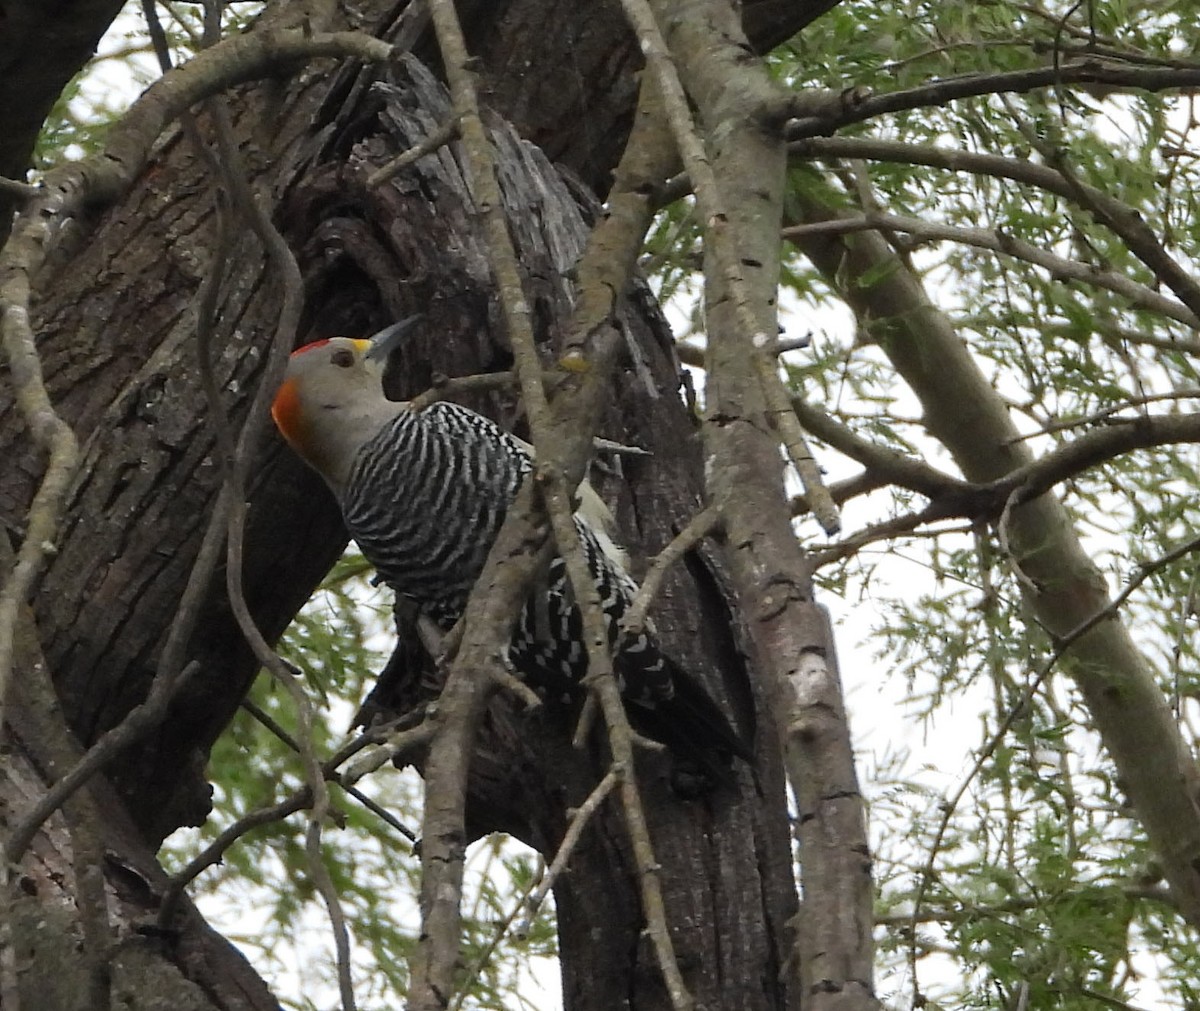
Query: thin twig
{"x": 603, "y": 445}
{"x": 464, "y": 991}
{"x": 444, "y": 387}
{"x": 440, "y": 137}
{"x": 890, "y": 529}
{"x": 19, "y": 190}
{"x": 784, "y": 345}
{"x": 377, "y": 809}
{"x": 697, "y": 528}
{"x": 1020, "y": 904}
{"x": 579, "y": 820}
{"x": 509, "y": 682}
{"x": 398, "y": 744}
{"x": 938, "y": 93}
{"x": 1122, "y": 220}
{"x": 299, "y": 800}
{"x": 1106, "y": 413}
{"x": 842, "y": 491}
{"x": 319, "y": 873}
{"x": 214, "y": 852}
{"x": 1116, "y": 336}
{"x": 583, "y": 726}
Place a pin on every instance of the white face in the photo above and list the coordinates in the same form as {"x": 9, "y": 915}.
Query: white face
{"x": 330, "y": 402}
{"x": 324, "y": 375}
{"x": 336, "y": 368}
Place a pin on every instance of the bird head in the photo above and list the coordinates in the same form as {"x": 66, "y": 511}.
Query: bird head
{"x": 331, "y": 402}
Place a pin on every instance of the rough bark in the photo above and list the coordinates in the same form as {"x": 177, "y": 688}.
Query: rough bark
{"x": 575, "y": 96}
{"x": 739, "y": 183}
{"x": 593, "y": 79}
{"x": 116, "y": 325}
{"x": 82, "y": 945}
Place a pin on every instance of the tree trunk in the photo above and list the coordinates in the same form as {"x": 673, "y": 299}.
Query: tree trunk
{"x": 35, "y": 66}
{"x": 116, "y": 321}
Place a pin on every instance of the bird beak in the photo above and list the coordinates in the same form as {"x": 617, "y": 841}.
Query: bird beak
{"x": 389, "y": 338}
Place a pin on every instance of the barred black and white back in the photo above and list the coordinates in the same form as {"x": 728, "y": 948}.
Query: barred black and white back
{"x": 425, "y": 500}
{"x": 427, "y": 496}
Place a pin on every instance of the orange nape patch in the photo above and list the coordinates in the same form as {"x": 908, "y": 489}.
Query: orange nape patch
{"x": 286, "y": 410}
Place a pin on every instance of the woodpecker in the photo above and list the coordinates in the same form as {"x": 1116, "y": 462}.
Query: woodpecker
{"x": 424, "y": 494}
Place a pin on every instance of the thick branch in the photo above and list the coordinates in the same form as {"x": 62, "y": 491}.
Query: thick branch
{"x": 1119, "y": 436}
{"x": 1061, "y": 585}
{"x": 724, "y": 247}
{"x": 1117, "y": 215}
{"x": 956, "y": 497}
{"x": 883, "y": 463}
{"x": 739, "y": 179}
{"x": 938, "y": 93}
{"x": 1001, "y": 242}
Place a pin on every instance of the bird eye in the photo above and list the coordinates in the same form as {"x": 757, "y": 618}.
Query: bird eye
{"x": 343, "y": 358}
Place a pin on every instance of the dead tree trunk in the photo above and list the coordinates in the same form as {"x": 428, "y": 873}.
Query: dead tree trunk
{"x": 116, "y": 319}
